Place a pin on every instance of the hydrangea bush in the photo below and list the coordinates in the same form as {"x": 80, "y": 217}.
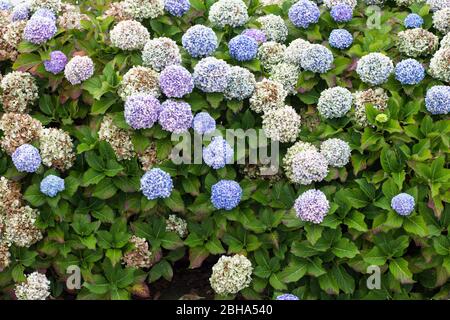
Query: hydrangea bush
{"x": 92, "y": 94}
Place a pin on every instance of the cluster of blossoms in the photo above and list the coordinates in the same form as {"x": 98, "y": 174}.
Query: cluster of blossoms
{"x": 268, "y": 95}
{"x": 226, "y": 194}
{"x": 141, "y": 80}
{"x": 377, "y": 97}
{"x": 143, "y": 9}
{"x": 256, "y": 34}
{"x": 203, "y": 123}
{"x": 334, "y": 102}
{"x": 336, "y": 151}
{"x": 274, "y": 27}
{"x": 211, "y": 75}
{"x": 56, "y": 63}
{"x": 437, "y": 100}
{"x": 312, "y": 206}
{"x": 218, "y": 153}
{"x": 36, "y": 287}
{"x": 199, "y": 41}
{"x": 374, "y": 68}
{"x": 177, "y": 225}
{"x": 282, "y": 124}
{"x": 231, "y": 274}
{"x": 161, "y": 52}
{"x": 26, "y": 158}
{"x": 51, "y": 185}
{"x": 316, "y": 58}
{"x": 139, "y": 256}
{"x": 287, "y": 75}
{"x": 19, "y": 226}
{"x": 417, "y": 42}
{"x": 412, "y": 21}
{"x": 331, "y": 3}
{"x": 56, "y": 148}
{"x": 156, "y": 183}
{"x": 409, "y": 72}
{"x": 79, "y": 69}
{"x": 441, "y": 20}
{"x": 241, "y": 84}
{"x": 293, "y": 52}
{"x": 340, "y": 39}
{"x": 71, "y": 17}
{"x": 19, "y": 90}
{"x": 271, "y": 53}
{"x": 175, "y": 81}
{"x": 148, "y": 158}
{"x": 304, "y": 13}
{"x": 141, "y": 111}
{"x": 243, "y": 48}
{"x": 436, "y": 5}
{"x": 119, "y": 139}
{"x": 175, "y": 116}
{"x": 39, "y": 29}
{"x": 177, "y": 8}
{"x": 309, "y": 166}
{"x": 18, "y": 129}
{"x": 129, "y": 35}
{"x": 341, "y": 12}
{"x": 440, "y": 66}
{"x": 231, "y": 13}
{"x": 403, "y": 204}
{"x": 292, "y": 151}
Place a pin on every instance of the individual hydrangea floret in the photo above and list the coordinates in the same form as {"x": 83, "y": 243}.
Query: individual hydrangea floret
{"x": 176, "y": 81}
{"x": 437, "y": 100}
{"x": 141, "y": 111}
{"x": 156, "y": 183}
{"x": 316, "y": 58}
{"x": 403, "y": 204}
{"x": 231, "y": 13}
{"x": 211, "y": 75}
{"x": 286, "y": 74}
{"x": 412, "y": 21}
{"x": 129, "y": 35}
{"x": 274, "y": 27}
{"x": 218, "y": 153}
{"x": 331, "y": 3}
{"x": 334, "y": 102}
{"x": 26, "y": 158}
{"x": 374, "y": 68}
{"x": 177, "y": 7}
{"x": 282, "y": 124}
{"x": 241, "y": 84}
{"x": 271, "y": 53}
{"x": 20, "y": 12}
{"x": 203, "y": 123}
{"x": 139, "y": 80}
{"x": 199, "y": 41}
{"x": 441, "y": 20}
{"x": 39, "y": 30}
{"x": 143, "y": 9}
{"x": 303, "y": 13}
{"x": 56, "y": 63}
{"x": 19, "y": 90}
{"x": 51, "y": 185}
{"x": 226, "y": 194}
{"x": 36, "y": 287}
{"x": 268, "y": 95}
{"x": 231, "y": 274}
{"x": 79, "y": 69}
{"x": 56, "y": 148}
{"x": 309, "y": 166}
{"x": 161, "y": 52}
{"x": 341, "y": 12}
{"x": 337, "y": 152}
{"x": 440, "y": 65}
{"x": 175, "y": 116}
{"x": 287, "y": 296}
{"x": 312, "y": 206}
{"x": 340, "y": 39}
{"x": 258, "y": 35}
{"x": 409, "y": 72}
{"x": 417, "y": 42}
{"x": 243, "y": 48}
{"x": 293, "y": 52}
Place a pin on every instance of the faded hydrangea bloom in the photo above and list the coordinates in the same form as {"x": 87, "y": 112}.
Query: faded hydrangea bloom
{"x": 417, "y": 42}
{"x": 309, "y": 166}
{"x": 19, "y": 90}
{"x": 161, "y": 52}
{"x": 79, "y": 69}
{"x": 231, "y": 274}
{"x": 56, "y": 148}
{"x": 293, "y": 52}
{"x": 148, "y": 158}
{"x": 53, "y": 5}
{"x": 144, "y": 9}
{"x": 228, "y": 13}
{"x": 10, "y": 196}
{"x": 281, "y": 124}
{"x": 334, "y": 102}
{"x": 141, "y": 80}
{"x": 4, "y": 254}
{"x": 19, "y": 228}
{"x": 295, "y": 149}
{"x": 268, "y": 95}
{"x": 36, "y": 287}
{"x": 119, "y": 139}
{"x": 377, "y": 97}
{"x": 274, "y": 27}
{"x": 177, "y": 225}
{"x": 129, "y": 35}
{"x": 312, "y": 206}
{"x": 337, "y": 152}
{"x": 241, "y": 83}
{"x": 440, "y": 65}
{"x": 271, "y": 53}
{"x": 445, "y": 42}
{"x": 117, "y": 11}
{"x": 18, "y": 129}
{"x": 287, "y": 74}
{"x": 436, "y": 5}
{"x": 71, "y": 17}
{"x": 139, "y": 256}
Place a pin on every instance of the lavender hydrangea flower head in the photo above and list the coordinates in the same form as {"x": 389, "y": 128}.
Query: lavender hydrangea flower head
{"x": 341, "y": 12}
{"x": 156, "y": 183}
{"x": 226, "y": 194}
{"x": 412, "y": 21}
{"x": 218, "y": 153}
{"x": 309, "y": 166}
{"x": 374, "y": 68}
{"x": 44, "y": 13}
{"x": 20, "y": 12}
{"x": 141, "y": 111}
{"x": 57, "y": 62}
{"x": 256, "y": 34}
{"x": 409, "y": 72}
{"x": 175, "y": 81}
{"x": 175, "y": 116}
{"x": 39, "y": 30}
{"x": 203, "y": 123}
{"x": 312, "y": 206}
{"x": 437, "y": 100}
{"x": 241, "y": 84}
{"x": 304, "y": 13}
{"x": 211, "y": 75}
{"x": 340, "y": 39}
{"x": 287, "y": 296}
{"x": 316, "y": 58}
{"x": 51, "y": 185}
{"x": 26, "y": 158}
{"x": 243, "y": 48}
{"x": 79, "y": 69}
{"x": 403, "y": 204}
{"x": 199, "y": 41}
{"x": 177, "y": 7}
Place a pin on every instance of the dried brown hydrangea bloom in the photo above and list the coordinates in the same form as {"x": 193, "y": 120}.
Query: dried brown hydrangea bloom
{"x": 19, "y": 90}
{"x": 378, "y": 98}
{"x": 417, "y": 42}
{"x": 10, "y": 37}
{"x": 268, "y": 95}
{"x": 148, "y": 159}
{"x": 71, "y": 17}
{"x": 18, "y": 129}
{"x": 116, "y": 10}
{"x": 119, "y": 139}
{"x": 19, "y": 226}
{"x": 10, "y": 196}
{"x": 4, "y": 255}
{"x": 139, "y": 80}
{"x": 13, "y": 32}
{"x": 139, "y": 257}
{"x": 56, "y": 148}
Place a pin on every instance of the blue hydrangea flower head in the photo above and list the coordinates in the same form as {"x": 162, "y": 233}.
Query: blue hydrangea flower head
{"x": 340, "y": 39}
{"x": 44, "y": 13}
{"x": 39, "y": 30}
{"x": 156, "y": 183}
{"x": 211, "y": 75}
{"x": 218, "y": 153}
{"x": 256, "y": 34}
{"x": 412, "y": 21}
{"x": 177, "y": 7}
{"x": 51, "y": 185}
{"x": 203, "y": 123}
{"x": 57, "y": 62}
{"x": 287, "y": 296}
{"x": 199, "y": 41}
{"x": 341, "y": 12}
{"x": 226, "y": 194}
{"x": 316, "y": 58}
{"x": 409, "y": 72}
{"x": 141, "y": 111}
{"x": 26, "y": 158}
{"x": 175, "y": 81}
{"x": 304, "y": 13}
{"x": 437, "y": 100}
{"x": 175, "y": 116}
{"x": 243, "y": 48}
{"x": 403, "y": 204}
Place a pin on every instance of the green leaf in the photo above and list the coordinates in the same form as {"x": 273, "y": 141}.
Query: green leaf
{"x": 343, "y": 248}
{"x": 416, "y": 225}
{"x": 175, "y": 202}
{"x": 294, "y": 271}
{"x": 399, "y": 269}
{"x": 105, "y": 189}
{"x": 34, "y": 196}
{"x": 92, "y": 177}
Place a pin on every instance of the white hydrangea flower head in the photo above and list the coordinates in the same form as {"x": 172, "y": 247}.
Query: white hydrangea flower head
{"x": 231, "y": 274}
{"x": 295, "y": 149}
{"x": 231, "y": 13}
{"x": 337, "y": 152}
{"x": 36, "y": 287}
{"x": 287, "y": 74}
{"x": 268, "y": 95}
{"x": 139, "y": 80}
{"x": 440, "y": 65}
{"x": 334, "y": 102}
{"x": 129, "y": 35}
{"x": 282, "y": 124}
